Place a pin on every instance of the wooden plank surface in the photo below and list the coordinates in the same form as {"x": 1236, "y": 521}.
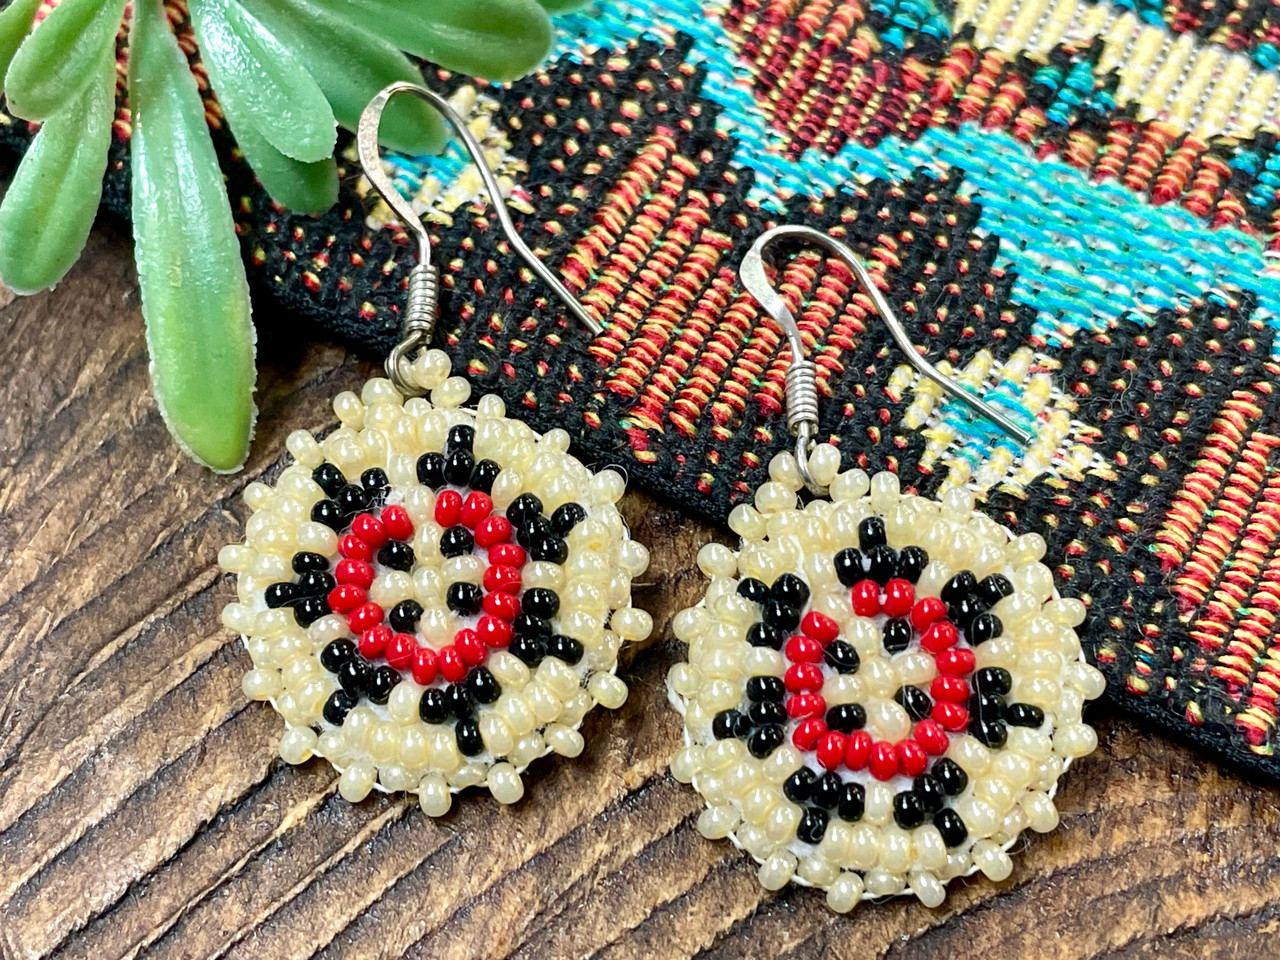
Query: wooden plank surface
{"x": 142, "y": 812}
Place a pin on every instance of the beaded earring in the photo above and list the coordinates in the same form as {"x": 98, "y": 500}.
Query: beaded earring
{"x": 881, "y": 690}
{"x": 434, "y": 596}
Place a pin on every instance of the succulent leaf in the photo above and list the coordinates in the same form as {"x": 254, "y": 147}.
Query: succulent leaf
{"x": 59, "y": 58}
{"x": 15, "y": 23}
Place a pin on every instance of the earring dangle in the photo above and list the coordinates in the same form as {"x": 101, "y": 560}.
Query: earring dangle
{"x": 881, "y": 690}
{"x": 434, "y": 596}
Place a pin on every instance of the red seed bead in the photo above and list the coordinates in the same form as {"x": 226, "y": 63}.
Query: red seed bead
{"x": 899, "y": 596}
{"x": 494, "y": 631}
{"x": 949, "y": 689}
{"x": 395, "y": 520}
{"x": 803, "y": 678}
{"x": 831, "y": 749}
{"x": 471, "y": 647}
{"x": 883, "y": 760}
{"x": 950, "y": 716}
{"x": 400, "y": 650}
{"x": 452, "y": 667}
{"x": 507, "y": 554}
{"x": 940, "y": 635}
{"x": 493, "y": 530}
{"x": 373, "y": 642}
{"x": 364, "y": 617}
{"x": 478, "y": 506}
{"x": 369, "y": 529}
{"x": 958, "y": 661}
{"x": 926, "y": 611}
{"x": 352, "y": 547}
{"x": 911, "y": 758}
{"x": 424, "y": 665}
{"x": 819, "y": 626}
{"x": 354, "y": 571}
{"x": 448, "y": 508}
{"x": 930, "y": 735}
{"x": 502, "y": 605}
{"x": 858, "y": 752}
{"x": 802, "y": 649}
{"x": 346, "y": 597}
{"x": 866, "y": 598}
{"x": 505, "y": 579}
{"x": 808, "y": 733}
{"x": 806, "y": 705}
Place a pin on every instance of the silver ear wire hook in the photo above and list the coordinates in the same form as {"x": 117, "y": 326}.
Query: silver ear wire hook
{"x": 802, "y": 375}
{"x": 424, "y": 280}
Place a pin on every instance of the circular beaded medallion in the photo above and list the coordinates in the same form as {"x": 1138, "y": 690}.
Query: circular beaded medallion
{"x": 881, "y": 690}
{"x": 433, "y": 596}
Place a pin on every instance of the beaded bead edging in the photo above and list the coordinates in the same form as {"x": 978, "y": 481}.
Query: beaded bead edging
{"x": 881, "y": 690}
{"x": 433, "y": 596}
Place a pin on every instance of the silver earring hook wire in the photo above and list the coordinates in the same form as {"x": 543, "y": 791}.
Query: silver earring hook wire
{"x": 801, "y": 378}
{"x": 424, "y": 284}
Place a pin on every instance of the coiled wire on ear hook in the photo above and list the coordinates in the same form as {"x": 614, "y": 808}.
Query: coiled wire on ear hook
{"x": 424, "y": 278}
{"x": 802, "y": 375}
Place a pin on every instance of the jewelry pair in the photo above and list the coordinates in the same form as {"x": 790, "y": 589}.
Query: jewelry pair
{"x": 881, "y": 690}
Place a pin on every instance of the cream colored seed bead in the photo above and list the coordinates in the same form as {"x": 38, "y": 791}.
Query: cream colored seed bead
{"x": 824, "y": 463}
{"x": 776, "y": 872}
{"x": 236, "y": 558}
{"x": 772, "y": 497}
{"x": 454, "y": 392}
{"x": 878, "y": 804}
{"x": 357, "y": 780}
{"x": 864, "y": 847}
{"x": 468, "y": 775}
{"x": 491, "y": 407}
{"x": 631, "y": 623}
{"x": 844, "y": 894}
{"x": 317, "y": 538}
{"x": 746, "y": 522}
{"x": 606, "y": 487}
{"x": 685, "y": 764}
{"x": 304, "y": 448}
{"x": 930, "y": 849}
{"x": 397, "y": 778}
{"x": 850, "y": 485}
{"x": 1075, "y": 740}
{"x": 755, "y": 841}
{"x": 505, "y": 783}
{"x": 817, "y": 870}
{"x": 413, "y": 748}
{"x": 717, "y": 560}
{"x": 390, "y": 588}
{"x": 332, "y": 745}
{"x": 238, "y": 617}
{"x": 607, "y": 690}
{"x": 433, "y": 796}
{"x": 508, "y": 486}
{"x": 895, "y": 849}
{"x": 1042, "y": 815}
{"x": 882, "y": 883}
{"x": 784, "y": 470}
{"x": 564, "y": 740}
{"x": 992, "y": 861}
{"x": 885, "y": 491}
{"x": 717, "y": 822}
{"x": 927, "y": 888}
{"x": 632, "y": 557}
{"x": 527, "y": 749}
{"x": 403, "y": 702}
{"x": 261, "y": 683}
{"x": 430, "y": 369}
{"x": 349, "y": 410}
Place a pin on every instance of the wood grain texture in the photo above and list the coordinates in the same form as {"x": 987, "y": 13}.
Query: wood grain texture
{"x": 142, "y": 812}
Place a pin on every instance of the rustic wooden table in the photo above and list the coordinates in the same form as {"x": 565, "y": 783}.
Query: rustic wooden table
{"x": 142, "y": 811}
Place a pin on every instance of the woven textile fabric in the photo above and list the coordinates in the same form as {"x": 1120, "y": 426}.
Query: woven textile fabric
{"x": 1073, "y": 207}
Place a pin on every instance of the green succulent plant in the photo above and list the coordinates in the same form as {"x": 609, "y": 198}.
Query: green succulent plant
{"x": 286, "y": 73}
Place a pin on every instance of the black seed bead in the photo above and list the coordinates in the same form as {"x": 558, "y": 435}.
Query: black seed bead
{"x": 799, "y": 785}
{"x": 523, "y": 509}
{"x": 871, "y": 533}
{"x": 994, "y": 588}
{"x": 315, "y": 583}
{"x": 551, "y": 549}
{"x": 467, "y": 733}
{"x": 336, "y": 653}
{"x": 458, "y": 701}
{"x": 914, "y": 700}
{"x": 533, "y": 529}
{"x": 397, "y": 556}
{"x": 993, "y": 680}
{"x": 431, "y": 470}
{"x": 566, "y": 517}
{"x": 764, "y": 740}
{"x": 457, "y": 541}
{"x": 911, "y": 563}
{"x": 461, "y": 437}
{"x": 458, "y": 466}
{"x": 540, "y": 602}
{"x": 813, "y": 825}
{"x": 526, "y": 624}
{"x": 280, "y": 594}
{"x": 908, "y": 811}
{"x": 375, "y": 483}
{"x": 827, "y": 791}
{"x": 898, "y": 635}
{"x": 1023, "y": 715}
{"x": 754, "y": 590}
{"x": 530, "y": 650}
{"x": 991, "y": 733}
{"x": 353, "y": 675}
{"x": 765, "y": 635}
{"x": 379, "y": 684}
{"x": 352, "y": 499}
{"x": 849, "y": 566}
{"x": 432, "y": 707}
{"x": 728, "y": 724}
{"x": 404, "y": 616}
{"x": 950, "y": 775}
{"x": 985, "y": 626}
{"x": 767, "y": 711}
{"x": 986, "y": 706}
{"x": 464, "y": 598}
{"x": 882, "y": 563}
{"x": 961, "y": 585}
{"x": 780, "y": 615}
{"x": 930, "y": 791}
{"x": 791, "y": 590}
{"x": 329, "y": 513}
{"x": 305, "y": 561}
{"x": 841, "y": 656}
{"x": 329, "y": 477}
{"x": 852, "y": 803}
{"x": 964, "y": 611}
{"x": 952, "y": 828}
{"x": 483, "y": 476}
{"x": 483, "y": 685}
{"x": 766, "y": 688}
{"x": 310, "y": 609}
{"x": 338, "y": 706}
{"x": 847, "y": 717}
{"x": 565, "y": 649}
